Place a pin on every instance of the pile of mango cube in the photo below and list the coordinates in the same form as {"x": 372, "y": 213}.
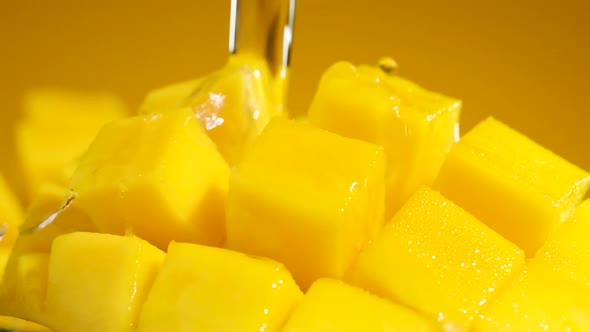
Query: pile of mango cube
{"x": 211, "y": 211}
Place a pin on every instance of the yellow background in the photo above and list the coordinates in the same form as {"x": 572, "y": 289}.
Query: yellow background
{"x": 525, "y": 62}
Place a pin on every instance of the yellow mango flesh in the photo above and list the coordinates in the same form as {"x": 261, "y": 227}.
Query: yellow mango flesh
{"x": 15, "y": 324}
{"x": 158, "y": 176}
{"x": 210, "y": 289}
{"x": 233, "y": 104}
{"x": 567, "y": 251}
{"x": 417, "y": 127}
{"x": 10, "y": 208}
{"x": 539, "y": 300}
{"x": 11, "y": 217}
{"x": 437, "y": 258}
{"x": 304, "y": 192}
{"x": 57, "y": 128}
{"x": 24, "y": 298}
{"x": 169, "y": 97}
{"x": 518, "y": 188}
{"x": 98, "y": 282}
{"x": 26, "y": 267}
{"x": 72, "y": 108}
{"x": 35, "y": 236}
{"x": 298, "y": 195}
{"x": 331, "y": 305}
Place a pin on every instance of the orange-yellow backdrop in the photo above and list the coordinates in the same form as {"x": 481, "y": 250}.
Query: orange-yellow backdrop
{"x": 526, "y": 62}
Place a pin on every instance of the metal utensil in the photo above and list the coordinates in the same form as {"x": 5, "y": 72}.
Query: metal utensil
{"x": 263, "y": 28}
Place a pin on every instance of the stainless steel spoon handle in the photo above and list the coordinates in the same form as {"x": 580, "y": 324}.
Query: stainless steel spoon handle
{"x": 263, "y": 28}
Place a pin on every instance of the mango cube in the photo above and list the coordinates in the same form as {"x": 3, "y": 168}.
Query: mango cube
{"x": 57, "y": 127}
{"x": 567, "y": 250}
{"x": 11, "y": 217}
{"x": 49, "y": 200}
{"x": 538, "y": 300}
{"x": 169, "y": 97}
{"x": 435, "y": 257}
{"x": 303, "y": 193}
{"x": 98, "y": 282}
{"x": 331, "y": 305}
{"x": 71, "y": 108}
{"x": 233, "y": 104}
{"x": 23, "y": 286}
{"x": 210, "y": 289}
{"x": 158, "y": 176}
{"x": 24, "y": 298}
{"x": 10, "y": 208}
{"x": 36, "y": 236}
{"x": 8, "y": 323}
{"x": 518, "y": 188}
{"x": 417, "y": 127}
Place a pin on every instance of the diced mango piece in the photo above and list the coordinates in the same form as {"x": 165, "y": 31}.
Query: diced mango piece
{"x": 303, "y": 192}
{"x": 14, "y": 324}
{"x": 45, "y": 154}
{"x": 98, "y": 282}
{"x": 37, "y": 233}
{"x": 26, "y": 269}
{"x": 233, "y": 104}
{"x": 567, "y": 250}
{"x": 331, "y": 305}
{"x": 158, "y": 176}
{"x": 10, "y": 208}
{"x": 70, "y": 108}
{"x": 210, "y": 289}
{"x": 518, "y": 188}
{"x": 539, "y": 300}
{"x": 435, "y": 257}
{"x": 25, "y": 297}
{"x": 417, "y": 127}
{"x": 169, "y": 97}
{"x": 11, "y": 217}
{"x": 57, "y": 128}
